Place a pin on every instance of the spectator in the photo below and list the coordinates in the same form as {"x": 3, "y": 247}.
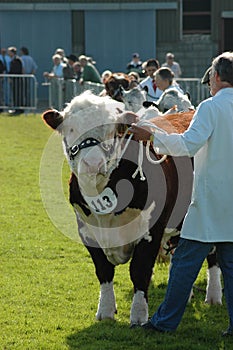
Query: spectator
{"x": 77, "y": 70}
{"x": 68, "y": 75}
{"x": 164, "y": 79}
{"x": 173, "y": 65}
{"x": 68, "y": 70}
{"x": 16, "y": 67}
{"x": 135, "y": 65}
{"x": 5, "y": 58}
{"x": 29, "y": 67}
{"x": 148, "y": 84}
{"x": 57, "y": 70}
{"x": 172, "y": 94}
{"x": 55, "y": 76}
{"x": 89, "y": 73}
{"x": 61, "y": 52}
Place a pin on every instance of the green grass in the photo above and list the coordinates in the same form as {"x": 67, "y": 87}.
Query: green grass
{"x": 49, "y": 292}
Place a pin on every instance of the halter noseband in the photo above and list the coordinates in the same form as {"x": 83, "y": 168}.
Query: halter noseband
{"x": 89, "y": 142}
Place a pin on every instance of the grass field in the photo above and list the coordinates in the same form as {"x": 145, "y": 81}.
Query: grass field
{"x": 49, "y": 292}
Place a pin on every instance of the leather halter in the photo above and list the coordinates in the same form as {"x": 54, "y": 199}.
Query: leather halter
{"x": 89, "y": 142}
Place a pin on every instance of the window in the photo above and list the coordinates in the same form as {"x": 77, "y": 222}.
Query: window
{"x": 196, "y": 16}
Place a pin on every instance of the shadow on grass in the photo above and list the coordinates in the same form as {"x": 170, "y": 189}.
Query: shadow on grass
{"x": 200, "y": 329}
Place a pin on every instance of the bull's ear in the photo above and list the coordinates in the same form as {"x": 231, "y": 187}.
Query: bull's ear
{"x": 52, "y": 118}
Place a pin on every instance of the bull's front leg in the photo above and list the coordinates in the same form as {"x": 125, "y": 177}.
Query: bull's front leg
{"x": 214, "y": 286}
{"x": 141, "y": 268}
{"x": 105, "y": 274}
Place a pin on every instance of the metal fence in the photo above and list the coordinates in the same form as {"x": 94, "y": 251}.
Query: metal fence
{"x": 62, "y": 91}
{"x": 18, "y": 91}
{"x": 198, "y": 92}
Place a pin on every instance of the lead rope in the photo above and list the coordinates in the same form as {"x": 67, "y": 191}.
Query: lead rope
{"x": 140, "y": 151}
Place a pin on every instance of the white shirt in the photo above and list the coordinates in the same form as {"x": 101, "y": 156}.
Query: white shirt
{"x": 209, "y": 139}
{"x": 58, "y": 70}
{"x": 151, "y": 94}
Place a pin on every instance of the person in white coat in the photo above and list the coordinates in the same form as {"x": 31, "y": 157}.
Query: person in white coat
{"x": 209, "y": 220}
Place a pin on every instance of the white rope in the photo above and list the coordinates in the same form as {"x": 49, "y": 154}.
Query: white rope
{"x": 140, "y": 160}
{"x": 140, "y": 151}
{"x": 158, "y": 161}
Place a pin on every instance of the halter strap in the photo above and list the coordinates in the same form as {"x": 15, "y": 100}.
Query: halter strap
{"x": 89, "y": 142}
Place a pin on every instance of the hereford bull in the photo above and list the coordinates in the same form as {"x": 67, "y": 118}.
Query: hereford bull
{"x": 121, "y": 216}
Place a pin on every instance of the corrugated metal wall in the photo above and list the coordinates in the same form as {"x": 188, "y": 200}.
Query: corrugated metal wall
{"x": 167, "y": 26}
{"x": 40, "y": 31}
{"x": 217, "y": 8}
{"x": 119, "y": 34}
{"x": 86, "y": 1}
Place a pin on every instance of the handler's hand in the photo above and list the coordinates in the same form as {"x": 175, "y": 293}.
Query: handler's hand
{"x": 140, "y": 133}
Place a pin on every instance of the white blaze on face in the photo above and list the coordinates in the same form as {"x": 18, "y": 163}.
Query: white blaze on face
{"x": 91, "y": 117}
{"x": 133, "y": 99}
{"x": 92, "y": 161}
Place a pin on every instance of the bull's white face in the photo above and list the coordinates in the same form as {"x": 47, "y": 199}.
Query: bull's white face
{"x": 133, "y": 99}
{"x": 90, "y": 142}
{"x": 171, "y": 98}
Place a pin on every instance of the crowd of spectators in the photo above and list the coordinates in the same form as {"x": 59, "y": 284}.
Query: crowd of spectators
{"x": 77, "y": 69}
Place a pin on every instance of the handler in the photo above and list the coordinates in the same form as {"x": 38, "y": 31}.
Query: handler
{"x": 209, "y": 220}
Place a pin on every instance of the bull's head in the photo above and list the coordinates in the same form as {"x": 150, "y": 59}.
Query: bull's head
{"x": 114, "y": 85}
{"x": 133, "y": 99}
{"x": 89, "y": 126}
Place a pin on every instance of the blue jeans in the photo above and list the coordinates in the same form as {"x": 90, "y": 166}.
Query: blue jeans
{"x": 186, "y": 264}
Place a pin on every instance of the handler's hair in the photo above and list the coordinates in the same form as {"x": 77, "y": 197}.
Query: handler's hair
{"x": 165, "y": 73}
{"x": 223, "y": 65}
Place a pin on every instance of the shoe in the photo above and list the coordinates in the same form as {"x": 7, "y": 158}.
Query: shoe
{"x": 14, "y": 112}
{"x": 149, "y": 326}
{"x": 227, "y": 333}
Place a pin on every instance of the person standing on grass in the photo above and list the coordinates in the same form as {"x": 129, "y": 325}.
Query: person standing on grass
{"x": 209, "y": 220}
{"x": 16, "y": 68}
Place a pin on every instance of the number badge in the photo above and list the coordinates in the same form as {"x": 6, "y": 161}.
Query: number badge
{"x": 104, "y": 203}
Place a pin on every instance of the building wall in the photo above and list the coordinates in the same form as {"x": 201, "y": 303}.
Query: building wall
{"x": 217, "y": 8}
{"x": 150, "y": 27}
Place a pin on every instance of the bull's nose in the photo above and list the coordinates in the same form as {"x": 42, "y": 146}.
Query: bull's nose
{"x": 92, "y": 165}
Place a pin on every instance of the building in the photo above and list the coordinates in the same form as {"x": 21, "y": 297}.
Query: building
{"x": 110, "y": 31}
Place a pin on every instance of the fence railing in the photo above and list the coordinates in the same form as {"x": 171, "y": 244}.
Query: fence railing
{"x": 62, "y": 91}
{"x": 198, "y": 92}
{"x": 18, "y": 91}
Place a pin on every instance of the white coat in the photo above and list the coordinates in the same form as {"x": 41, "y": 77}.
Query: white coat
{"x": 209, "y": 139}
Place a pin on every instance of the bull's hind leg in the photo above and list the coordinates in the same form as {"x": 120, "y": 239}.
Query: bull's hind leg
{"x": 141, "y": 268}
{"x": 105, "y": 273}
{"x": 214, "y": 286}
